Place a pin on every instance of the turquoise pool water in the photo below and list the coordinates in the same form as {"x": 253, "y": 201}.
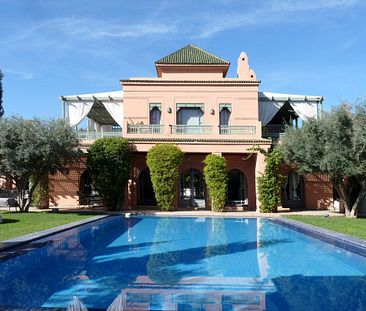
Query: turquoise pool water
{"x": 166, "y": 263}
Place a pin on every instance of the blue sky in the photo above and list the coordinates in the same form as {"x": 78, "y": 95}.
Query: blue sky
{"x": 50, "y": 48}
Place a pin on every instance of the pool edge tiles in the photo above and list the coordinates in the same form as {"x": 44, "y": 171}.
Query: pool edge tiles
{"x": 341, "y": 240}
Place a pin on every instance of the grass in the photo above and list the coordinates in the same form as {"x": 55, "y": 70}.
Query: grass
{"x": 17, "y": 224}
{"x": 355, "y": 227}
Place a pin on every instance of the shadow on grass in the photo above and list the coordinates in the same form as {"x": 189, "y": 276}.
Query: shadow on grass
{"x": 9, "y": 221}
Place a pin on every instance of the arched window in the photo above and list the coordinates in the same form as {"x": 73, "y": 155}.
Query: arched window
{"x": 146, "y": 195}
{"x": 155, "y": 116}
{"x": 192, "y": 189}
{"x": 85, "y": 188}
{"x": 225, "y": 116}
{"x": 237, "y": 188}
{"x": 85, "y": 184}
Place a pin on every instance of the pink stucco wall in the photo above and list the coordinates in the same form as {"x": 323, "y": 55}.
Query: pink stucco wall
{"x": 194, "y": 84}
{"x": 243, "y": 99}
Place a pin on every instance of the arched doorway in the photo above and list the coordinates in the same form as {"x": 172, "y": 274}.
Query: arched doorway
{"x": 85, "y": 185}
{"x": 85, "y": 188}
{"x": 192, "y": 189}
{"x": 146, "y": 194}
{"x": 237, "y": 188}
{"x": 293, "y": 195}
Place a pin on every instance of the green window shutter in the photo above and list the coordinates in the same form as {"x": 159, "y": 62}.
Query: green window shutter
{"x": 228, "y": 106}
{"x": 155, "y": 105}
{"x": 190, "y": 106}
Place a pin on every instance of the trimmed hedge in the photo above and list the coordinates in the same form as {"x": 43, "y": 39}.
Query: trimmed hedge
{"x": 163, "y": 161}
{"x": 215, "y": 172}
{"x": 109, "y": 161}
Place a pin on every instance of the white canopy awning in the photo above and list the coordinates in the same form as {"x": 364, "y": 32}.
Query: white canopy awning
{"x": 77, "y": 107}
{"x": 306, "y": 106}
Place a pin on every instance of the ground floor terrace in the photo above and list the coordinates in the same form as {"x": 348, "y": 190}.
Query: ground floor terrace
{"x": 299, "y": 192}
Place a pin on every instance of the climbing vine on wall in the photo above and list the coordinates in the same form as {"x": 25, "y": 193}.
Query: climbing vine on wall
{"x": 269, "y": 184}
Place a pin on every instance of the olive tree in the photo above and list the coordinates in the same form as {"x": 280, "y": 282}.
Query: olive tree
{"x": 334, "y": 145}
{"x": 109, "y": 162}
{"x": 34, "y": 149}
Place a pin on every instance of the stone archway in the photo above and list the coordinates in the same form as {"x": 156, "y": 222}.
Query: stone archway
{"x": 293, "y": 194}
{"x": 145, "y": 191}
{"x": 192, "y": 189}
{"x": 237, "y": 188}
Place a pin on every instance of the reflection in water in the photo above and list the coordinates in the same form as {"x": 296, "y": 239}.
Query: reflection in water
{"x": 162, "y": 259}
{"x": 76, "y": 305}
{"x": 152, "y": 263}
{"x": 216, "y": 248}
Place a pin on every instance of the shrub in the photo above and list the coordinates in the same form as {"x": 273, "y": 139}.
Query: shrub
{"x": 109, "y": 161}
{"x": 269, "y": 184}
{"x": 163, "y": 161}
{"x": 215, "y": 172}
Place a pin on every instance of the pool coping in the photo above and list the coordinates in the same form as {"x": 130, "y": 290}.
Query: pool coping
{"x": 342, "y": 240}
{"x": 28, "y": 238}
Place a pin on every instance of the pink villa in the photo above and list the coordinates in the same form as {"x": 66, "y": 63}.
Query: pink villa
{"x": 192, "y": 104}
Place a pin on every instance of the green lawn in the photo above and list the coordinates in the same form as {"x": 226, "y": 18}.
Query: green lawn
{"x": 17, "y": 224}
{"x": 351, "y": 226}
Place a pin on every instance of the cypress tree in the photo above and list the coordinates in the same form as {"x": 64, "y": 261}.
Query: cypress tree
{"x": 1, "y": 94}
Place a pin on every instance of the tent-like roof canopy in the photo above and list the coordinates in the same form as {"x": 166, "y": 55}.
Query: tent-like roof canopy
{"x": 113, "y": 95}
{"x": 104, "y": 108}
{"x": 269, "y": 96}
{"x": 305, "y": 106}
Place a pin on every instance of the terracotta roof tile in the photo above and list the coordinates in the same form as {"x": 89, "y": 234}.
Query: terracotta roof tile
{"x": 192, "y": 54}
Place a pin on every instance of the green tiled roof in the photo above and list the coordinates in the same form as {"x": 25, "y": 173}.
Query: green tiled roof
{"x": 192, "y": 54}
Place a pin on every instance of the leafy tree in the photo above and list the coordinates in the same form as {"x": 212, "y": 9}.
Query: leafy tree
{"x": 1, "y": 94}
{"x": 163, "y": 161}
{"x": 215, "y": 172}
{"x": 269, "y": 184}
{"x": 34, "y": 148}
{"x": 334, "y": 145}
{"x": 109, "y": 161}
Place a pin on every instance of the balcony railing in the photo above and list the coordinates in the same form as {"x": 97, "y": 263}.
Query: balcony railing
{"x": 190, "y": 129}
{"x": 273, "y": 131}
{"x": 96, "y": 135}
{"x": 237, "y": 130}
{"x": 144, "y": 129}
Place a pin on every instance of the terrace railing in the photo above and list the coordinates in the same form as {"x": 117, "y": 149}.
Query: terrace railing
{"x": 190, "y": 129}
{"x": 273, "y": 131}
{"x": 145, "y": 129}
{"x": 96, "y": 135}
{"x": 237, "y": 130}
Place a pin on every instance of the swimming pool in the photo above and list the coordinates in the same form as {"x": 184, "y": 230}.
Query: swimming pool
{"x": 182, "y": 263}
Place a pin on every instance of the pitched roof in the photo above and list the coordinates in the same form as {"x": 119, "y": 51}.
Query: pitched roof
{"x": 192, "y": 54}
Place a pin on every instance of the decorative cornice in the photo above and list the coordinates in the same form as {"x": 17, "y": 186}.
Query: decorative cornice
{"x": 149, "y": 140}
{"x": 164, "y": 81}
{"x": 198, "y": 140}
